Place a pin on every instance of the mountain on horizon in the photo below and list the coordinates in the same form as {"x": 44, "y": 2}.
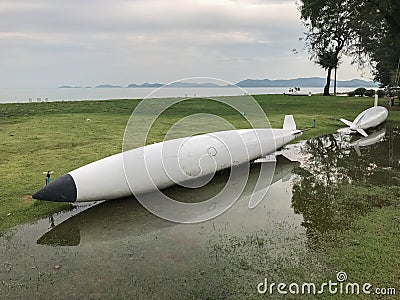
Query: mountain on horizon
{"x": 304, "y": 82}
{"x": 145, "y": 85}
{"x": 312, "y": 82}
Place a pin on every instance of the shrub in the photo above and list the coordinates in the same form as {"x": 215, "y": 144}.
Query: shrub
{"x": 360, "y": 92}
{"x": 381, "y": 93}
{"x": 351, "y": 94}
{"x": 369, "y": 93}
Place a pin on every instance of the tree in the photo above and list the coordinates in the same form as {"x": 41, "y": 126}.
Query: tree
{"x": 377, "y": 24}
{"x": 367, "y": 30}
{"x": 328, "y": 34}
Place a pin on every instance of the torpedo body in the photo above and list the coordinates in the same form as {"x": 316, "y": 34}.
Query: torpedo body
{"x": 123, "y": 218}
{"x": 164, "y": 164}
{"x": 369, "y": 118}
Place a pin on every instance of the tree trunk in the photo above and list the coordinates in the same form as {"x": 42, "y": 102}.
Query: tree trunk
{"x": 334, "y": 85}
{"x": 328, "y": 82}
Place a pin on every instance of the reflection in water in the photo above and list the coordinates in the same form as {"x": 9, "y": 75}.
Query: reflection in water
{"x": 336, "y": 185}
{"x": 122, "y": 218}
{"x": 109, "y": 220}
{"x": 372, "y": 139}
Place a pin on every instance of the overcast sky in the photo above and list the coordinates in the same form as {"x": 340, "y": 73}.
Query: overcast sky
{"x": 47, "y": 43}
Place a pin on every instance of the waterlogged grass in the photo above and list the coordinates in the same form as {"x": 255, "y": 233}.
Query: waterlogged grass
{"x": 366, "y": 248}
{"x": 369, "y": 252}
{"x": 358, "y": 235}
{"x": 365, "y": 244}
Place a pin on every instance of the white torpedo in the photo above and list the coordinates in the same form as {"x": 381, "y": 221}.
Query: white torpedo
{"x": 164, "y": 164}
{"x": 119, "y": 219}
{"x": 370, "y": 117}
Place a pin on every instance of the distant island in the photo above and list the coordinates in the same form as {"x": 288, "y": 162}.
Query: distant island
{"x": 107, "y": 86}
{"x": 314, "y": 82}
{"x": 69, "y": 87}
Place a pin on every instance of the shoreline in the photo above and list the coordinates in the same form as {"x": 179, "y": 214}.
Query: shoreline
{"x": 100, "y": 94}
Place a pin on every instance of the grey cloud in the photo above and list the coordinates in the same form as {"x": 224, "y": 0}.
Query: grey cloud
{"x": 142, "y": 16}
{"x": 159, "y": 39}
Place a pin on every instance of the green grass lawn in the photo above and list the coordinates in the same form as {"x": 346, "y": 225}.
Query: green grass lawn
{"x": 36, "y": 137}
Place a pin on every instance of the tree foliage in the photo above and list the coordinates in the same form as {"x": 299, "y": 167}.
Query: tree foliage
{"x": 367, "y": 30}
{"x": 329, "y": 32}
{"x": 377, "y": 24}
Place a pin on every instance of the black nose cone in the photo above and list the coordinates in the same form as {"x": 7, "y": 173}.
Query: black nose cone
{"x": 62, "y": 189}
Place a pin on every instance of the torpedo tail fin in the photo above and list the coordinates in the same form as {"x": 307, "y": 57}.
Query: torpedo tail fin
{"x": 376, "y": 100}
{"x": 362, "y": 132}
{"x": 348, "y": 123}
{"x": 289, "y": 123}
